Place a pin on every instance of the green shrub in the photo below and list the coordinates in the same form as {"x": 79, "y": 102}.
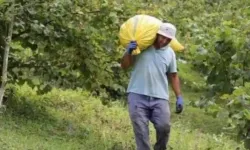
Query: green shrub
{"x": 191, "y": 80}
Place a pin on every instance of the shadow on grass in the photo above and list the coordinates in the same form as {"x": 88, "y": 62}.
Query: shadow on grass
{"x": 28, "y": 116}
{"x": 28, "y": 109}
{"x": 34, "y": 116}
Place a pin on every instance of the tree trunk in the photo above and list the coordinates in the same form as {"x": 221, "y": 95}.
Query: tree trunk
{"x": 6, "y": 56}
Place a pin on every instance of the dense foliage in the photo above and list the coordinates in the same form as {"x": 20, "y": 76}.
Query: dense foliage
{"x": 223, "y": 57}
{"x": 65, "y": 44}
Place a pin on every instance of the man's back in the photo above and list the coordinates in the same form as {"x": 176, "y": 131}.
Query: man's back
{"x": 148, "y": 76}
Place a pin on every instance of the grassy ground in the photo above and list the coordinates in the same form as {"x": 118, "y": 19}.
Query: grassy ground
{"x": 72, "y": 120}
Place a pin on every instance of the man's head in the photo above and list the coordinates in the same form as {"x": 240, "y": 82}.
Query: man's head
{"x": 165, "y": 34}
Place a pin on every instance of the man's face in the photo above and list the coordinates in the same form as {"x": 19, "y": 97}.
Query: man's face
{"x": 161, "y": 41}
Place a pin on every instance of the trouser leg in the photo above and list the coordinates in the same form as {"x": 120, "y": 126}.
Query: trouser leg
{"x": 139, "y": 115}
{"x": 161, "y": 120}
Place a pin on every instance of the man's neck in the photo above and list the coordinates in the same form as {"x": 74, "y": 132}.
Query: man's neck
{"x": 157, "y": 47}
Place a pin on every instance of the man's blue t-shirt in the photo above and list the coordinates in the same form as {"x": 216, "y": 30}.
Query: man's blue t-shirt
{"x": 148, "y": 76}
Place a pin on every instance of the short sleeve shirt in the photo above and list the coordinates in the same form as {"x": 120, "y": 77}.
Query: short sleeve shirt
{"x": 149, "y": 73}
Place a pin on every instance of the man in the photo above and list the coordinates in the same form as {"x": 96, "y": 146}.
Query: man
{"x": 148, "y": 95}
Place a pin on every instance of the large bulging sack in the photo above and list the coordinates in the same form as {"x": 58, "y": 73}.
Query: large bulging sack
{"x": 143, "y": 30}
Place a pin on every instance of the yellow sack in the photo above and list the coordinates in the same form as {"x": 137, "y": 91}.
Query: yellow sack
{"x": 176, "y": 46}
{"x": 143, "y": 30}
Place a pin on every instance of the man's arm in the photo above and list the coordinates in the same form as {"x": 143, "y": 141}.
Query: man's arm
{"x": 173, "y": 76}
{"x": 127, "y": 60}
{"x": 175, "y": 82}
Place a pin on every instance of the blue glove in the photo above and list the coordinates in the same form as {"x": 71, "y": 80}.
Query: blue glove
{"x": 131, "y": 46}
{"x": 179, "y": 104}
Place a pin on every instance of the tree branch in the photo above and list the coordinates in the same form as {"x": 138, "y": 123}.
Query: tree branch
{"x": 6, "y": 55}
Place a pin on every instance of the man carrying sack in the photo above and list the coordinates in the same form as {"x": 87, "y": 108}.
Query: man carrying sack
{"x": 148, "y": 93}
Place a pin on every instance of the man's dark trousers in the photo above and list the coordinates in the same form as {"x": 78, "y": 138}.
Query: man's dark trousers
{"x": 143, "y": 109}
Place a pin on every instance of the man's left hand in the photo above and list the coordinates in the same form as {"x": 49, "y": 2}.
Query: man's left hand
{"x": 179, "y": 104}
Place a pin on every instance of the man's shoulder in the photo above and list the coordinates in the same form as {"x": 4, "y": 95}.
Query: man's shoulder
{"x": 169, "y": 51}
{"x": 149, "y": 48}
{"x": 146, "y": 51}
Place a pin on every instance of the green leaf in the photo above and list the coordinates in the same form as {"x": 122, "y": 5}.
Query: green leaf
{"x": 247, "y": 114}
{"x": 35, "y": 80}
{"x": 238, "y": 116}
{"x": 2, "y": 1}
{"x": 225, "y": 96}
